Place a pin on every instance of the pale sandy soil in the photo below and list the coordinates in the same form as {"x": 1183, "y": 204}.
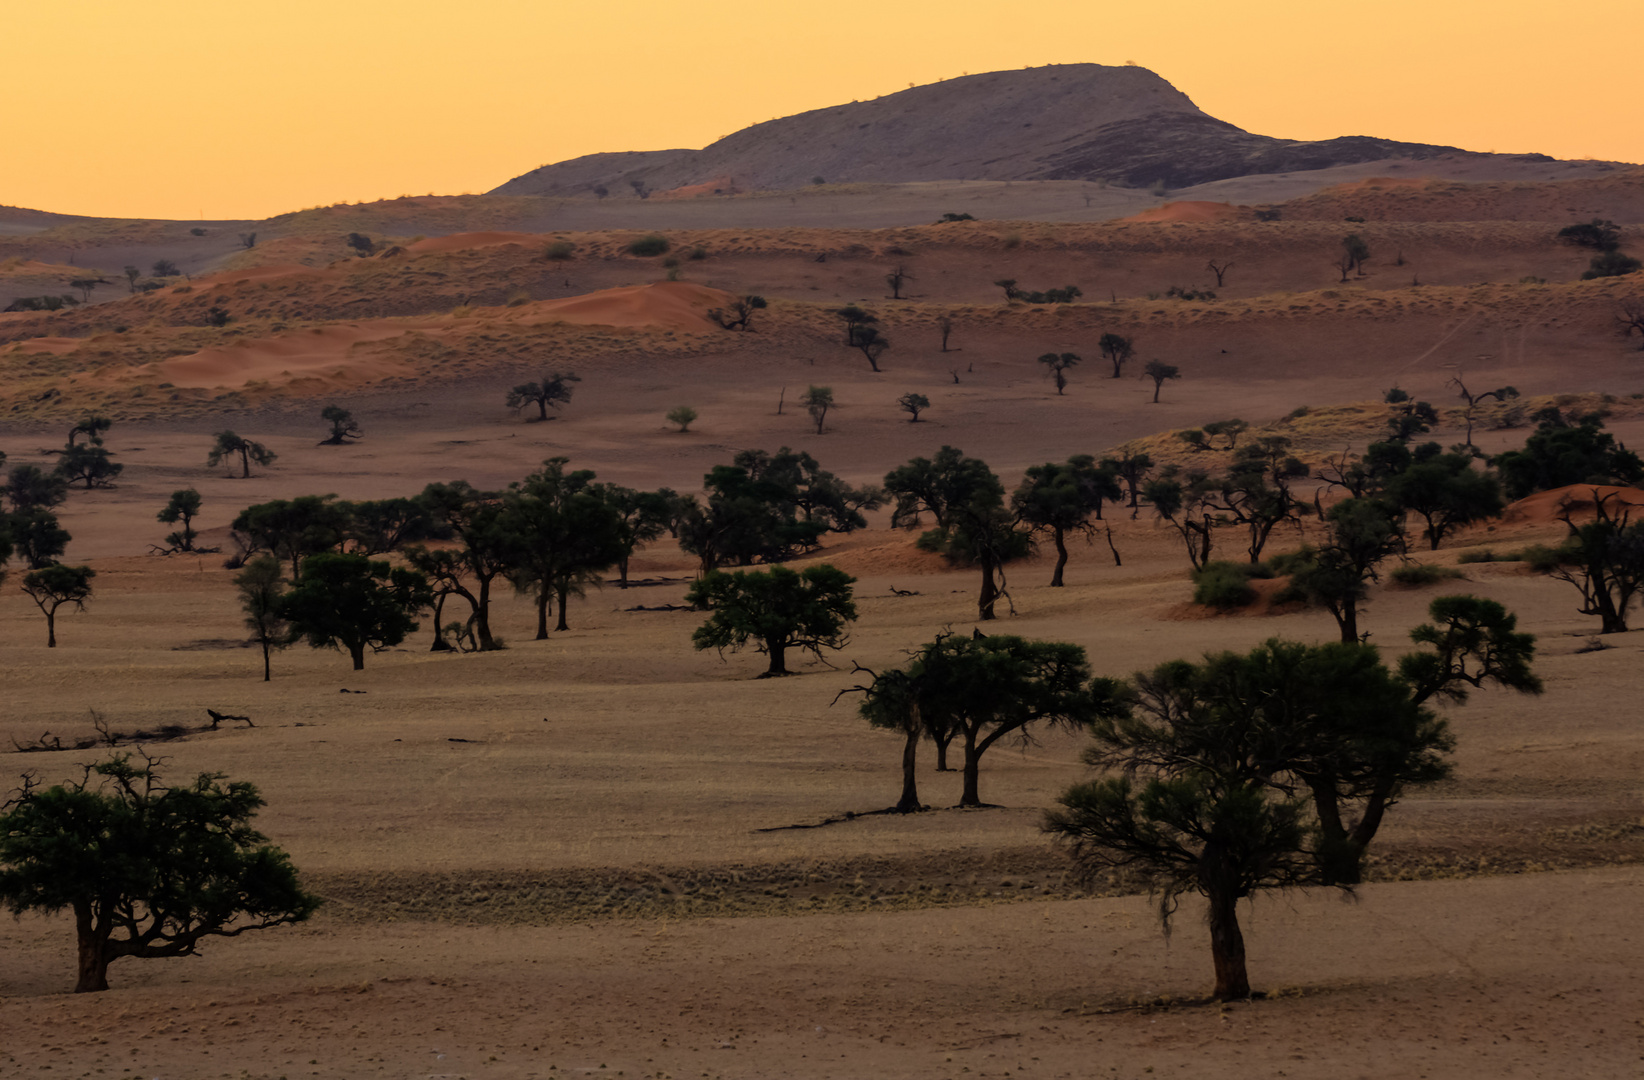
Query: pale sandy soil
{"x": 547, "y": 860}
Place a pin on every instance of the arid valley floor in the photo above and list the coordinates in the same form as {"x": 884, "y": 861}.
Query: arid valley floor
{"x": 558, "y": 859}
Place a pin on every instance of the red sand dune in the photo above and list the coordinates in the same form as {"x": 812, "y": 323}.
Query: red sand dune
{"x": 282, "y": 359}
{"x": 460, "y": 241}
{"x": 1190, "y": 210}
{"x": 1380, "y": 182}
{"x": 1544, "y": 507}
{"x": 676, "y": 304}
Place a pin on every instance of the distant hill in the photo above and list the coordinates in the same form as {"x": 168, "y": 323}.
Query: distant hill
{"x": 1061, "y": 122}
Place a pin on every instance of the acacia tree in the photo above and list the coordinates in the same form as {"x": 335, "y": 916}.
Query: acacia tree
{"x": 642, "y": 516}
{"x": 777, "y": 609}
{"x": 740, "y": 313}
{"x": 1117, "y": 348}
{"x": 1336, "y": 576}
{"x": 53, "y": 586}
{"x": 967, "y": 502}
{"x": 183, "y": 507}
{"x": 294, "y": 529}
{"x": 1133, "y": 469}
{"x": 817, "y": 401}
{"x": 1446, "y": 491}
{"x": 261, "y": 588}
{"x": 490, "y": 549}
{"x": 554, "y": 388}
{"x": 1256, "y": 492}
{"x": 343, "y": 426}
{"x": 999, "y": 686}
{"x": 228, "y": 444}
{"x": 1057, "y": 364}
{"x": 1061, "y": 499}
{"x": 148, "y": 870}
{"x": 895, "y": 280}
{"x": 913, "y": 405}
{"x": 352, "y": 603}
{"x": 1500, "y": 394}
{"x": 1603, "y": 559}
{"x": 1239, "y": 773}
{"x": 1159, "y": 372}
{"x": 567, "y": 536}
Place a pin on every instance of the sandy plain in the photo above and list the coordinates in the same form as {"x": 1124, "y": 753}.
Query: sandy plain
{"x": 550, "y": 860}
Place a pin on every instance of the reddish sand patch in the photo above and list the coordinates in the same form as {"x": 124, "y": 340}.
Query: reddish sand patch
{"x": 461, "y": 241}
{"x": 1381, "y": 182}
{"x": 678, "y": 305}
{"x": 52, "y": 345}
{"x": 255, "y": 273}
{"x": 719, "y": 185}
{"x": 282, "y": 359}
{"x": 1545, "y": 507}
{"x": 1190, "y": 211}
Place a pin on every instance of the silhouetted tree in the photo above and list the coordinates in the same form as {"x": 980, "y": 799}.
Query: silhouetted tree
{"x": 183, "y": 507}
{"x": 148, "y": 870}
{"x": 352, "y": 603}
{"x": 261, "y": 588}
{"x": 343, "y": 426}
{"x": 777, "y": 609}
{"x": 228, "y": 444}
{"x": 913, "y": 404}
{"x": 1117, "y": 349}
{"x": 1061, "y": 498}
{"x": 552, "y": 389}
{"x": 568, "y": 535}
{"x": 1057, "y": 365}
{"x": 682, "y": 415}
{"x": 817, "y": 401}
{"x": 895, "y": 279}
{"x": 50, "y": 587}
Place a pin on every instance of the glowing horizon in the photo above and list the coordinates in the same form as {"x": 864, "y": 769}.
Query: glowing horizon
{"x": 258, "y": 109}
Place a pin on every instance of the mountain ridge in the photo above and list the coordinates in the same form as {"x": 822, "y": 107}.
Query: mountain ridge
{"x": 1123, "y": 125}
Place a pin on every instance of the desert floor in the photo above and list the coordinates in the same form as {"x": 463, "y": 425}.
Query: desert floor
{"x": 554, "y": 859}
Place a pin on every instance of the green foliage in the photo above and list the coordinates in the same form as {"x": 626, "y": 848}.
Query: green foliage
{"x": 951, "y": 216}
{"x": 567, "y": 536}
{"x": 1159, "y": 372}
{"x": 149, "y": 870}
{"x": 184, "y": 506}
{"x": 361, "y": 244}
{"x": 649, "y": 246}
{"x": 343, "y": 426}
{"x": 1065, "y": 295}
{"x": 1446, "y": 491}
{"x": 681, "y": 415}
{"x": 968, "y": 504}
{"x": 768, "y": 507}
{"x": 1598, "y": 234}
{"x": 29, "y": 488}
{"x": 1223, "y": 585}
{"x": 352, "y": 603}
{"x": 1482, "y": 555}
{"x": 229, "y": 444}
{"x": 1177, "y": 292}
{"x": 1417, "y": 575}
{"x": 1603, "y": 558}
{"x": 560, "y": 251}
{"x": 1611, "y": 264}
{"x": 776, "y": 609}
{"x": 261, "y": 589}
{"x": 553, "y": 389}
{"x": 293, "y": 529}
{"x": 52, "y": 586}
{"x": 1336, "y": 576}
{"x": 1061, "y": 498}
{"x": 1559, "y": 454}
{"x": 1057, "y": 365}
{"x": 1243, "y": 772}
{"x": 913, "y": 404}
{"x": 817, "y": 401}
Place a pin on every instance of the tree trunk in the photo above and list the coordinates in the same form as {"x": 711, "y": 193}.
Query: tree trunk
{"x": 1348, "y": 620}
{"x": 543, "y": 596}
{"x": 564, "y": 595}
{"x": 51, "y": 629}
{"x": 440, "y": 644}
{"x": 482, "y": 626}
{"x": 990, "y": 591}
{"x": 93, "y": 952}
{"x": 942, "y": 742}
{"x": 909, "y": 802}
{"x": 245, "y": 463}
{"x": 973, "y": 768}
{"x": 622, "y": 572}
{"x": 779, "y": 658}
{"x": 1061, "y": 558}
{"x": 267, "y": 672}
{"x": 358, "y": 654}
{"x": 1227, "y": 943}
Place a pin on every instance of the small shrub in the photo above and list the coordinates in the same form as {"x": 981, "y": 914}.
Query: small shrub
{"x": 1012, "y": 241}
{"x": 818, "y": 181}
{"x": 950, "y": 216}
{"x": 698, "y": 253}
{"x": 559, "y": 251}
{"x": 683, "y": 415}
{"x": 670, "y": 263}
{"x": 649, "y": 246}
{"x": 1542, "y": 559}
{"x": 1415, "y": 575}
{"x": 1297, "y": 413}
{"x": 1290, "y": 562}
{"x": 1222, "y": 585}
{"x": 1482, "y": 555}
{"x": 1179, "y": 293}
{"x": 196, "y": 232}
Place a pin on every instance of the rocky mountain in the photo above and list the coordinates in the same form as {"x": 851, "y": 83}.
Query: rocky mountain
{"x": 1124, "y": 125}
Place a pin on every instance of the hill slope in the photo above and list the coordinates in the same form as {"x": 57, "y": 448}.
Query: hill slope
{"x": 1059, "y": 122}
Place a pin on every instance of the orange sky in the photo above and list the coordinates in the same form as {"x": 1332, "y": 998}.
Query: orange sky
{"x": 247, "y": 109}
